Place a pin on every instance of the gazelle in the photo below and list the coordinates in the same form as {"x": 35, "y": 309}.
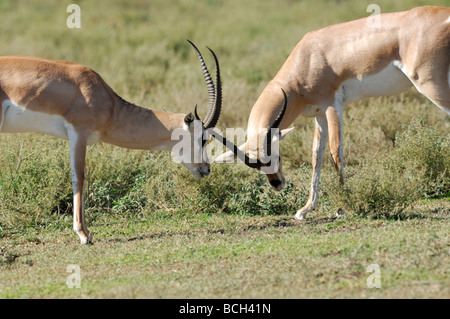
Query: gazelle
{"x": 343, "y": 63}
{"x": 73, "y": 102}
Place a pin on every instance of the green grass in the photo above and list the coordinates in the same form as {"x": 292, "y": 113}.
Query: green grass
{"x": 232, "y": 256}
{"x": 160, "y": 233}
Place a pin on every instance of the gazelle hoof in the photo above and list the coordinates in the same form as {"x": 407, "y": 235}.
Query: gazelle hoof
{"x": 86, "y": 240}
{"x": 300, "y": 216}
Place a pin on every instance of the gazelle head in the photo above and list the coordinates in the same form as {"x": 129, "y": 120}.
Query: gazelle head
{"x": 195, "y": 157}
{"x": 269, "y": 160}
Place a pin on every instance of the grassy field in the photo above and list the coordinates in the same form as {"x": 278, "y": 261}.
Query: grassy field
{"x": 160, "y": 233}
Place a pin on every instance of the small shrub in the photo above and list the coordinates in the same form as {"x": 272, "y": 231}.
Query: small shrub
{"x": 231, "y": 189}
{"x": 255, "y": 197}
{"x": 34, "y": 180}
{"x": 430, "y": 151}
{"x": 418, "y": 166}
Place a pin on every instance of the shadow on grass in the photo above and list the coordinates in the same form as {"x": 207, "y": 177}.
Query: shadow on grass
{"x": 277, "y": 223}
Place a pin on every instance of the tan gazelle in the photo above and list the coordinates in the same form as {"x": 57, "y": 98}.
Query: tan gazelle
{"x": 73, "y": 102}
{"x": 346, "y": 62}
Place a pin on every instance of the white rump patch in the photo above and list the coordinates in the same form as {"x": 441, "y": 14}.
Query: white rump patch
{"x": 447, "y": 21}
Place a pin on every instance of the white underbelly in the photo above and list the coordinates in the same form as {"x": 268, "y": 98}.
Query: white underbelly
{"x": 18, "y": 119}
{"x": 390, "y": 81}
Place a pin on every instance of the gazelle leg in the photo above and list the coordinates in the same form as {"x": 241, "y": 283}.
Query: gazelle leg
{"x": 320, "y": 140}
{"x": 335, "y": 129}
{"x": 78, "y": 162}
{"x": 432, "y": 77}
{"x": 438, "y": 94}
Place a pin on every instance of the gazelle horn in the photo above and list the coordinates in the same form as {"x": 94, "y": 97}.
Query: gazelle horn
{"x": 215, "y": 97}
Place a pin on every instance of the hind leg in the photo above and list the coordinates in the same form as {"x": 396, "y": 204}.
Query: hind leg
{"x": 436, "y": 92}
{"x": 432, "y": 79}
{"x": 335, "y": 130}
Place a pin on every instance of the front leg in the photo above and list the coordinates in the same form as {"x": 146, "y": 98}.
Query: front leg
{"x": 78, "y": 144}
{"x": 320, "y": 140}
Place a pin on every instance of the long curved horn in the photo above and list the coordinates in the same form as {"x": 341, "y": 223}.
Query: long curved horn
{"x": 239, "y": 154}
{"x": 212, "y": 117}
{"x": 215, "y": 98}
{"x": 275, "y": 124}
{"x": 196, "y": 114}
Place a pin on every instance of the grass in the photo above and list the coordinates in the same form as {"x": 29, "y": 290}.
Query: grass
{"x": 232, "y": 256}
{"x": 160, "y": 233}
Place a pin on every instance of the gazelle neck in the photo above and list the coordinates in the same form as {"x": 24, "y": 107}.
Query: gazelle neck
{"x": 267, "y": 108}
{"x": 135, "y": 127}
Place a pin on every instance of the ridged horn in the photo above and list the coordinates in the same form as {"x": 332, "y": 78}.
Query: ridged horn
{"x": 215, "y": 98}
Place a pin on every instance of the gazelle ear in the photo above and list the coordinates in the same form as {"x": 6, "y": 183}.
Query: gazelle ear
{"x": 228, "y": 157}
{"x": 189, "y": 119}
{"x": 282, "y": 134}
{"x": 285, "y": 132}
